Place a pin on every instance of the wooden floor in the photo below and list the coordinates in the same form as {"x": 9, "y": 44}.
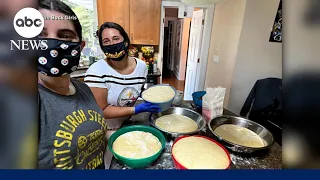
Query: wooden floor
{"x": 169, "y": 78}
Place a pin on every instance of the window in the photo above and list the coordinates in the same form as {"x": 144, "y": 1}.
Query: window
{"x": 87, "y": 14}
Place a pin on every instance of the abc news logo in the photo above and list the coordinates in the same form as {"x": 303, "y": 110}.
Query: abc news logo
{"x": 28, "y": 23}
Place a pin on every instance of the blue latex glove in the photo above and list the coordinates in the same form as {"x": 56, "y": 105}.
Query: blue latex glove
{"x": 146, "y": 107}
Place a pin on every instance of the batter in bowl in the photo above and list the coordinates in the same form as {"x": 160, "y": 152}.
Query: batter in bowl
{"x": 158, "y": 94}
{"x": 200, "y": 153}
{"x": 176, "y": 123}
{"x": 239, "y": 135}
{"x": 136, "y": 145}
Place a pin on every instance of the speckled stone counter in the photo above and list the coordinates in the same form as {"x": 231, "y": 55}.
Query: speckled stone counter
{"x": 270, "y": 159}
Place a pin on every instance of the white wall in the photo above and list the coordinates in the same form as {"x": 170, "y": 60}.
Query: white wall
{"x": 257, "y": 58}
{"x": 225, "y": 36}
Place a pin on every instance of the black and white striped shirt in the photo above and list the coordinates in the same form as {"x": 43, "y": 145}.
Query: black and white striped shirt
{"x": 123, "y": 90}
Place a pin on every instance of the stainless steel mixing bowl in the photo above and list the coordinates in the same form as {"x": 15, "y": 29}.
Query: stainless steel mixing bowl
{"x": 181, "y": 111}
{"x": 261, "y": 131}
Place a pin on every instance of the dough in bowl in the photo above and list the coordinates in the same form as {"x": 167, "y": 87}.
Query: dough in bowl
{"x": 239, "y": 135}
{"x": 200, "y": 153}
{"x": 158, "y": 94}
{"x": 176, "y": 123}
{"x": 136, "y": 145}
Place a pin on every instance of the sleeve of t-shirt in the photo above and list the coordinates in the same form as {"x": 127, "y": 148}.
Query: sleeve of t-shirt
{"x": 94, "y": 78}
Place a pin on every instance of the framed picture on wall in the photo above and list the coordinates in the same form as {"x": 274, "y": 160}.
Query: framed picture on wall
{"x": 276, "y": 32}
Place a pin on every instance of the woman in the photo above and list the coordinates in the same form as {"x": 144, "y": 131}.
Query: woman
{"x": 116, "y": 81}
{"x": 72, "y": 127}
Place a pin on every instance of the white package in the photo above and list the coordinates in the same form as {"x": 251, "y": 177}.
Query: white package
{"x": 212, "y": 102}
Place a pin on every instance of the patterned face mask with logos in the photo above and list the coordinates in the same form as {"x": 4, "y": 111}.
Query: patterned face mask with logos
{"x": 60, "y": 57}
{"x": 116, "y": 52}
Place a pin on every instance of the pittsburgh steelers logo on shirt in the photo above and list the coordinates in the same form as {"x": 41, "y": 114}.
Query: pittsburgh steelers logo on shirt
{"x": 42, "y": 60}
{"x": 128, "y": 97}
{"x": 64, "y": 62}
{"x": 54, "y": 53}
{"x": 54, "y": 70}
{"x": 64, "y": 46}
{"x": 82, "y": 142}
{"x": 74, "y": 52}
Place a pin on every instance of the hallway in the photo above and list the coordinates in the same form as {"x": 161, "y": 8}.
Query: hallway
{"x": 171, "y": 79}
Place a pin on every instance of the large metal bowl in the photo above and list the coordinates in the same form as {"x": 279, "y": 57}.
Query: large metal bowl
{"x": 261, "y": 131}
{"x": 181, "y": 111}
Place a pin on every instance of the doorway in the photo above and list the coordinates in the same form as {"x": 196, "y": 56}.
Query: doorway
{"x": 171, "y": 51}
{"x": 184, "y": 57}
{"x": 168, "y": 50}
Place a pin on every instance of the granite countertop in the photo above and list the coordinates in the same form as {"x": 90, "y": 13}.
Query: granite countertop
{"x": 270, "y": 159}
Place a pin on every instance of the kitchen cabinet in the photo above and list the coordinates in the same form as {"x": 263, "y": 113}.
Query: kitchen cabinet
{"x": 114, "y": 11}
{"x": 145, "y": 21}
{"x": 140, "y": 18}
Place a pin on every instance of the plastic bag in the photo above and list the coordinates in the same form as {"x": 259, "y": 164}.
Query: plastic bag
{"x": 212, "y": 102}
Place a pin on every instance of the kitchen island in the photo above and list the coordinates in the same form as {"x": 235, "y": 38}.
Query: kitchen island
{"x": 269, "y": 159}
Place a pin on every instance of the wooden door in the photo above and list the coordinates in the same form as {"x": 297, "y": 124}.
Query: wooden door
{"x": 145, "y": 21}
{"x": 114, "y": 11}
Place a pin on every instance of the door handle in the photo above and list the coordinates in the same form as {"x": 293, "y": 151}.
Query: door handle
{"x": 131, "y": 37}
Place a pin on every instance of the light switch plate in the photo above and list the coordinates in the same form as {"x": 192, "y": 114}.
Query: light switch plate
{"x": 216, "y": 59}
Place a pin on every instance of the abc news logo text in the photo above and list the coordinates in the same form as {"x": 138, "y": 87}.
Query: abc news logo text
{"x": 26, "y": 45}
{"x": 28, "y": 23}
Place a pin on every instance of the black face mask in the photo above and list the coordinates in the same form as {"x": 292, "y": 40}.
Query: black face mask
{"x": 116, "y": 52}
{"x": 59, "y": 58}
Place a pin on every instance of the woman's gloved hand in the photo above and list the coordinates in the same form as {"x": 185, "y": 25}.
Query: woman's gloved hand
{"x": 146, "y": 107}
